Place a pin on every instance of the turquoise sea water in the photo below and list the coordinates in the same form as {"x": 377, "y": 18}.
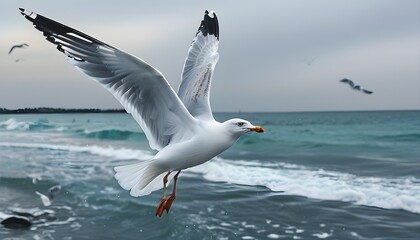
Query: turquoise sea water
{"x": 321, "y": 175}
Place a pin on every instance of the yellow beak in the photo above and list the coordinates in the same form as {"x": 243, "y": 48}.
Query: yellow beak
{"x": 257, "y": 129}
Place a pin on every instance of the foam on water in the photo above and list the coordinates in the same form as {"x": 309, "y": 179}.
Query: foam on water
{"x": 389, "y": 193}
{"x": 13, "y": 124}
{"x": 322, "y": 235}
{"x": 117, "y": 153}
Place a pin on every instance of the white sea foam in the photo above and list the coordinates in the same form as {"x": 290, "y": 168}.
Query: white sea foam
{"x": 117, "y": 153}
{"x": 322, "y": 235}
{"x": 248, "y": 237}
{"x": 4, "y": 216}
{"x": 388, "y": 193}
{"x": 273, "y": 236}
{"x": 61, "y": 129}
{"x": 13, "y": 124}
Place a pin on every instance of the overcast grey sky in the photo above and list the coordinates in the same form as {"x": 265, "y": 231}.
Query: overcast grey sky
{"x": 265, "y": 49}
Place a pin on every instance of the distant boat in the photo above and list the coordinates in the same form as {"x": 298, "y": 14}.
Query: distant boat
{"x": 23, "y": 45}
{"x": 354, "y": 86}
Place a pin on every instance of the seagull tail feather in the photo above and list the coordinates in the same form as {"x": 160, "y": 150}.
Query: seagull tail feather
{"x": 140, "y": 178}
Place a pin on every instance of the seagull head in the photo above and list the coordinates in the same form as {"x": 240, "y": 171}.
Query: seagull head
{"x": 239, "y": 127}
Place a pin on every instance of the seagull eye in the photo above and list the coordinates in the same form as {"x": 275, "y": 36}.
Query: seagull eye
{"x": 240, "y": 124}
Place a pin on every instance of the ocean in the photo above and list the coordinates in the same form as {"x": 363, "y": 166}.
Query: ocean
{"x": 315, "y": 175}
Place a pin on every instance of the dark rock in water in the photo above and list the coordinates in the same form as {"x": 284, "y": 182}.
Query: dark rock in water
{"x": 16, "y": 222}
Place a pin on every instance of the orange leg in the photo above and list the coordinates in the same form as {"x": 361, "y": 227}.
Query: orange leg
{"x": 160, "y": 207}
{"x": 171, "y": 198}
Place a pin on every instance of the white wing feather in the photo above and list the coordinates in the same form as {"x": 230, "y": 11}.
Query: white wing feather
{"x": 140, "y": 88}
{"x": 194, "y": 90}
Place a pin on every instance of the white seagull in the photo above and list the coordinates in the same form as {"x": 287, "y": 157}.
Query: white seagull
{"x": 179, "y": 126}
{"x": 354, "y": 86}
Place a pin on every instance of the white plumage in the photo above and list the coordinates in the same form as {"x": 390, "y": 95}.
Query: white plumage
{"x": 180, "y": 126}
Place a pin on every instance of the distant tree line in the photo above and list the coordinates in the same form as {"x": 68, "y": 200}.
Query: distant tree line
{"x": 59, "y": 110}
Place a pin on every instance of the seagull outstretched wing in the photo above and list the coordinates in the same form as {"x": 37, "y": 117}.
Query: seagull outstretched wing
{"x": 367, "y": 91}
{"x": 140, "y": 88}
{"x": 348, "y": 81}
{"x": 18, "y": 46}
{"x": 354, "y": 86}
{"x": 194, "y": 90}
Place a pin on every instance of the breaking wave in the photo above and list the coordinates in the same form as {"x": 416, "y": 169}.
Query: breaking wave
{"x": 388, "y": 193}
{"x": 117, "y": 153}
{"x": 13, "y": 124}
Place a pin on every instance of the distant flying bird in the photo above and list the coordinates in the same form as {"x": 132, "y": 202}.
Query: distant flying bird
{"x": 354, "y": 86}
{"x": 18, "y": 46}
{"x": 52, "y": 192}
{"x": 181, "y": 127}
{"x": 309, "y": 62}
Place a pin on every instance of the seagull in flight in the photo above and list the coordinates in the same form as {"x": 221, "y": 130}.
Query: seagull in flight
{"x": 23, "y": 45}
{"x": 309, "y": 61}
{"x": 354, "y": 86}
{"x": 180, "y": 126}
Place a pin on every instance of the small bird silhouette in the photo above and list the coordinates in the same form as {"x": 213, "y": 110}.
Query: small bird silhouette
{"x": 309, "y": 61}
{"x": 354, "y": 86}
{"x": 18, "y": 46}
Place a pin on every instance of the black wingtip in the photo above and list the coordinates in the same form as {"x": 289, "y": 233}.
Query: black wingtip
{"x": 210, "y": 24}
{"x": 22, "y": 11}
{"x": 28, "y": 15}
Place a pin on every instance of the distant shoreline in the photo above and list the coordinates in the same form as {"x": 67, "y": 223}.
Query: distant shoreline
{"x": 58, "y": 110}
